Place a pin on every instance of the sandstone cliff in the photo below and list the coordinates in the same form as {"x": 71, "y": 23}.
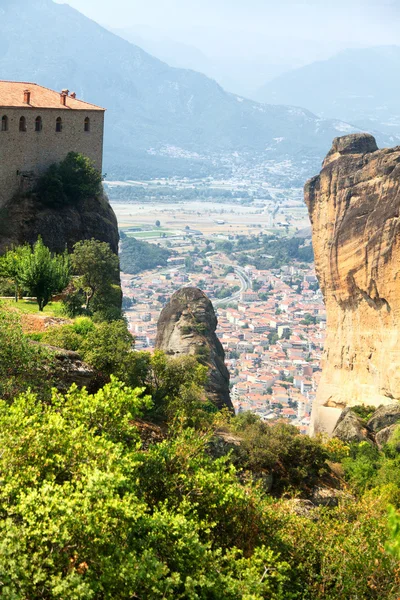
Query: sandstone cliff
{"x": 354, "y": 209}
{"x": 24, "y": 218}
{"x": 187, "y": 326}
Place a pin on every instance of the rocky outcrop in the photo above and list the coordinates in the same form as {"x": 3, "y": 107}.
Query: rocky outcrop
{"x": 68, "y": 368}
{"x": 25, "y": 218}
{"x": 350, "y": 428}
{"x": 187, "y": 326}
{"x": 378, "y": 430}
{"x": 384, "y": 417}
{"x": 354, "y": 207}
{"x": 384, "y": 422}
{"x": 384, "y": 436}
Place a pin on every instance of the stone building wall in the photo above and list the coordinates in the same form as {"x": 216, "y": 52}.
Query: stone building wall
{"x": 25, "y": 155}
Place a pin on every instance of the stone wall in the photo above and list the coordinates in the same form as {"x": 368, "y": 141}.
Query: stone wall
{"x": 25, "y": 155}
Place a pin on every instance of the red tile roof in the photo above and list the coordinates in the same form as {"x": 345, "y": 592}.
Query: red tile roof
{"x": 12, "y": 96}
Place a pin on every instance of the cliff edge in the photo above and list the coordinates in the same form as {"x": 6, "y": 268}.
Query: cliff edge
{"x": 187, "y": 326}
{"x": 354, "y": 207}
{"x": 24, "y": 218}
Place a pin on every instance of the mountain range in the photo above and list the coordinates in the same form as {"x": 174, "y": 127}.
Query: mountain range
{"x": 161, "y": 121}
{"x": 225, "y": 57}
{"x": 360, "y": 86}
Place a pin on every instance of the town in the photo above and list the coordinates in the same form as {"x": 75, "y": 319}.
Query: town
{"x": 271, "y": 320}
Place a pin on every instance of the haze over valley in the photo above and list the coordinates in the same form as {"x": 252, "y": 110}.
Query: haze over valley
{"x": 162, "y": 121}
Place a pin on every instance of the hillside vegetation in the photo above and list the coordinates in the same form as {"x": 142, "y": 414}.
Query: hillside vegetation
{"x": 144, "y": 490}
{"x": 137, "y": 255}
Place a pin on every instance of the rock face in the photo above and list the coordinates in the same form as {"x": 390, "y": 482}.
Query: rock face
{"x": 187, "y": 326}
{"x": 377, "y": 430}
{"x": 354, "y": 207}
{"x": 23, "y": 219}
{"x": 350, "y": 428}
{"x": 69, "y": 369}
{"x": 385, "y": 416}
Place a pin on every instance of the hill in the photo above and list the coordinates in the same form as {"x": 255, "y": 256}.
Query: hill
{"x": 160, "y": 120}
{"x": 357, "y": 85}
{"x": 137, "y": 256}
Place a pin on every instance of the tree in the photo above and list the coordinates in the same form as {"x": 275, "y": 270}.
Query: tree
{"x": 96, "y": 265}
{"x": 72, "y": 180}
{"x": 158, "y": 224}
{"x": 80, "y": 178}
{"x": 10, "y": 266}
{"x": 42, "y": 273}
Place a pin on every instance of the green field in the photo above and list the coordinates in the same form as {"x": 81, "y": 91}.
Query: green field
{"x": 156, "y": 233}
{"x": 27, "y": 307}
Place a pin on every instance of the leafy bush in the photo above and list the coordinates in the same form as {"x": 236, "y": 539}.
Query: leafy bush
{"x": 88, "y": 513}
{"x": 361, "y": 466}
{"x": 22, "y": 364}
{"x": 393, "y": 544}
{"x": 70, "y": 181}
{"x": 340, "y": 554}
{"x": 80, "y": 519}
{"x": 97, "y": 270}
{"x": 73, "y": 303}
{"x": 364, "y": 412}
{"x": 337, "y": 449}
{"x": 295, "y": 461}
{"x": 7, "y": 287}
{"x": 175, "y": 384}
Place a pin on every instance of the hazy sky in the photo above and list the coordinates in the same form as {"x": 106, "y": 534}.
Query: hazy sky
{"x": 366, "y": 21}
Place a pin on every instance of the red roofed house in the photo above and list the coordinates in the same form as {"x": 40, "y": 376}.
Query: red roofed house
{"x": 39, "y": 127}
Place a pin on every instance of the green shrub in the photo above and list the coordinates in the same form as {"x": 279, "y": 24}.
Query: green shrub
{"x": 97, "y": 270}
{"x": 340, "y": 554}
{"x": 23, "y": 365}
{"x": 393, "y": 544}
{"x": 88, "y": 513}
{"x": 361, "y": 466}
{"x": 82, "y": 520}
{"x": 364, "y": 412}
{"x": 295, "y": 461}
{"x": 83, "y": 326}
{"x": 72, "y": 180}
{"x": 74, "y": 303}
{"x": 7, "y": 287}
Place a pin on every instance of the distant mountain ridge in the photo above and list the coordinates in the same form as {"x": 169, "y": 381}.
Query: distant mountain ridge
{"x": 161, "y": 121}
{"x": 357, "y": 85}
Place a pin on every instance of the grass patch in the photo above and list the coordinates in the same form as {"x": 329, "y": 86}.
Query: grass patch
{"x": 150, "y": 234}
{"x": 30, "y": 307}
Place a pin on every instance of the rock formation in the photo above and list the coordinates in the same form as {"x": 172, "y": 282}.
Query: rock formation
{"x": 187, "y": 326}
{"x": 70, "y": 369}
{"x": 351, "y": 428}
{"x": 377, "y": 430}
{"x": 354, "y": 207}
{"x": 24, "y": 218}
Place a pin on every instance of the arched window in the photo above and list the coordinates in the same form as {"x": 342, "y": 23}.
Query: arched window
{"x": 38, "y": 124}
{"x": 87, "y": 124}
{"x": 22, "y": 124}
{"x": 4, "y": 123}
{"x": 59, "y": 124}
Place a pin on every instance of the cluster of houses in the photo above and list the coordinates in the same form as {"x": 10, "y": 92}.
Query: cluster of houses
{"x": 273, "y": 335}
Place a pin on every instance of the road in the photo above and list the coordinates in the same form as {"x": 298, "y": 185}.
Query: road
{"x": 245, "y": 284}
